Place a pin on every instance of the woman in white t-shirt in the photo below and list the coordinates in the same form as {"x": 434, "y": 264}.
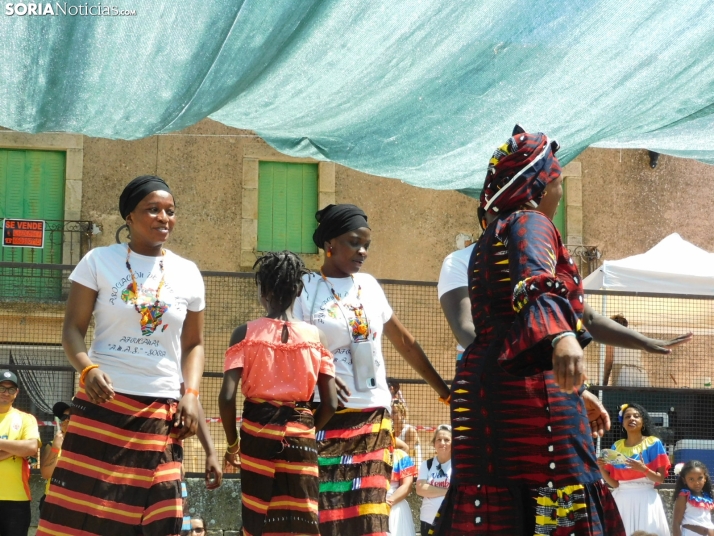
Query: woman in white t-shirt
{"x": 352, "y": 311}
{"x": 120, "y": 469}
{"x": 454, "y": 297}
{"x": 434, "y": 478}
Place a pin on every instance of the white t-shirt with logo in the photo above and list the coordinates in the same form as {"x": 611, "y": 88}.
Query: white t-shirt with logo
{"x": 454, "y": 274}
{"x": 140, "y": 350}
{"x": 318, "y": 306}
{"x": 439, "y": 476}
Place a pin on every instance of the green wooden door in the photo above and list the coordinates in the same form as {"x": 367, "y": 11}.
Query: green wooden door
{"x": 287, "y": 202}
{"x": 32, "y": 187}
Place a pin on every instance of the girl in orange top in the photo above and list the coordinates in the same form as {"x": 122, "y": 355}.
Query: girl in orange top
{"x": 278, "y": 360}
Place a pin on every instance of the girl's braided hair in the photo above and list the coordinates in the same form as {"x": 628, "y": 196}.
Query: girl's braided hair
{"x": 279, "y": 274}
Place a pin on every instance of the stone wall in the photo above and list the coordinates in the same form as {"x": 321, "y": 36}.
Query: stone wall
{"x": 212, "y": 169}
{"x": 627, "y": 207}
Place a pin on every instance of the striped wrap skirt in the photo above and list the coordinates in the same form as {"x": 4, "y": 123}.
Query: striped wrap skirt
{"x": 119, "y": 473}
{"x": 577, "y": 510}
{"x": 278, "y": 456}
{"x": 355, "y": 458}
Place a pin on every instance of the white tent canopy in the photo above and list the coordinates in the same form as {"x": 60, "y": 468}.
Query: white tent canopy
{"x": 674, "y": 266}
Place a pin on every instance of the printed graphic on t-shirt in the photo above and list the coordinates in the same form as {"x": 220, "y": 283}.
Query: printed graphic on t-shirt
{"x": 354, "y": 316}
{"x": 438, "y": 477}
{"x": 150, "y": 308}
{"x": 359, "y": 326}
{"x": 150, "y": 313}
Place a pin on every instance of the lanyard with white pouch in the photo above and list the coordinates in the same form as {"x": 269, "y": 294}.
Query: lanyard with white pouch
{"x": 361, "y": 351}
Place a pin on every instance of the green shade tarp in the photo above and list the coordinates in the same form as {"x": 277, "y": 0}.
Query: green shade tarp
{"x": 418, "y": 90}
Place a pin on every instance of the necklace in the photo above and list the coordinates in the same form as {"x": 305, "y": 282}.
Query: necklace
{"x": 135, "y": 287}
{"x": 332, "y": 288}
{"x": 358, "y": 325}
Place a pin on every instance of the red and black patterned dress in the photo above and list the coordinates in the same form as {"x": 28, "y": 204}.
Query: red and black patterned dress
{"x": 522, "y": 455}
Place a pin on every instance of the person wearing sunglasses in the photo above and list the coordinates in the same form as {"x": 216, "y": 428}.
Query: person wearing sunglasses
{"x": 19, "y": 439}
{"x": 50, "y": 453}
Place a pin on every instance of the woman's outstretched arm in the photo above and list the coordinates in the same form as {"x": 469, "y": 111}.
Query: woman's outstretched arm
{"x": 407, "y": 346}
{"x": 606, "y": 331}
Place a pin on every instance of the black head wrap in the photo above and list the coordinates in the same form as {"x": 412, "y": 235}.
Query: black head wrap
{"x": 137, "y": 190}
{"x": 334, "y": 220}
{"x": 59, "y": 408}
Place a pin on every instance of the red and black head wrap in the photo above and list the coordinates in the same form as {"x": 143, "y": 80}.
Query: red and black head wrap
{"x": 518, "y": 172}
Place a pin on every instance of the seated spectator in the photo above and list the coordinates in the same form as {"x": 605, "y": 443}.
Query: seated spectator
{"x": 50, "y": 453}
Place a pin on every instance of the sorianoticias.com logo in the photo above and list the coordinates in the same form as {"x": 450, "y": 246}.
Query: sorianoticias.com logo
{"x": 22, "y": 9}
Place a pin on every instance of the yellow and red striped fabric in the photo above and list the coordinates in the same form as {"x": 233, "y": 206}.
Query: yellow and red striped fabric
{"x": 119, "y": 473}
{"x": 355, "y": 458}
{"x": 278, "y": 457}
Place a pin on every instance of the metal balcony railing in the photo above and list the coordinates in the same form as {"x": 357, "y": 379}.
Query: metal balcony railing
{"x": 66, "y": 242}
{"x": 587, "y": 258}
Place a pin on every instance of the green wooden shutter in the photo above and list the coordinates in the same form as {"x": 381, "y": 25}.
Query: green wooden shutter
{"x": 280, "y": 207}
{"x": 293, "y": 221}
{"x": 52, "y": 169}
{"x": 309, "y": 207}
{"x": 32, "y": 185}
{"x": 287, "y": 202}
{"x": 265, "y": 206}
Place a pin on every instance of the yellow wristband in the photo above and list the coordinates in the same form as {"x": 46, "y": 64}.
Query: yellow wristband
{"x": 233, "y": 444}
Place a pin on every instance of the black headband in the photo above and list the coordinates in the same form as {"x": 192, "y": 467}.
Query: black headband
{"x": 137, "y": 190}
{"x": 334, "y": 220}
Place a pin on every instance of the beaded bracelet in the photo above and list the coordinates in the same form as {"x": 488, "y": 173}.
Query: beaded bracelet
{"x": 233, "y": 444}
{"x": 85, "y": 371}
{"x": 557, "y": 338}
{"x": 190, "y": 391}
